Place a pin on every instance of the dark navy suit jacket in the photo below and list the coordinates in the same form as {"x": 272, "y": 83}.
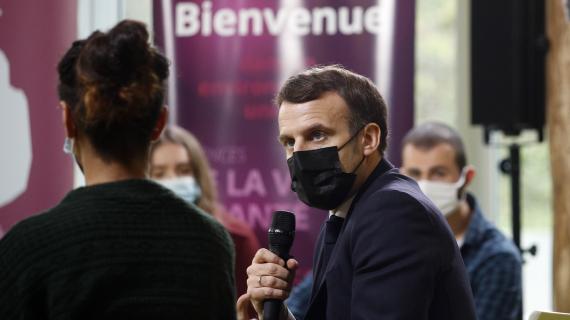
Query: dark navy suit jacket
{"x": 395, "y": 258}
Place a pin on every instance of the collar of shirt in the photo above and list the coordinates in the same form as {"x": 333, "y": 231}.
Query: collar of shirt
{"x": 460, "y": 241}
{"x": 477, "y": 226}
{"x": 342, "y": 210}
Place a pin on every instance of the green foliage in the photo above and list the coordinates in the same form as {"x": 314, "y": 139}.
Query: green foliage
{"x": 435, "y": 60}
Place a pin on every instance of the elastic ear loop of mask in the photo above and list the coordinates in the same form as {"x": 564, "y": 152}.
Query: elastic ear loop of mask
{"x": 354, "y": 135}
{"x": 461, "y": 182}
{"x": 358, "y": 166}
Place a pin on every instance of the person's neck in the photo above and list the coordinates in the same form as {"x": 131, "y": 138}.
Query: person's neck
{"x": 97, "y": 170}
{"x": 369, "y": 165}
{"x": 459, "y": 220}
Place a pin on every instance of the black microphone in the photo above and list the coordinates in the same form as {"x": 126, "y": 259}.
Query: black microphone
{"x": 281, "y": 235}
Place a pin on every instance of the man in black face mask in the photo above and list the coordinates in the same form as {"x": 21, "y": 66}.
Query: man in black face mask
{"x": 385, "y": 252}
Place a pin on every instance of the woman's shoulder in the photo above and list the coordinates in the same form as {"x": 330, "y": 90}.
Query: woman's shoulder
{"x": 30, "y": 237}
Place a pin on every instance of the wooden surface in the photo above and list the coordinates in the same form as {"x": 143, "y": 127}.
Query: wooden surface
{"x": 558, "y": 117}
{"x": 537, "y": 315}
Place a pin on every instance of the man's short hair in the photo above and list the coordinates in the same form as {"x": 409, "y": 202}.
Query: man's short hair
{"x": 365, "y": 103}
{"x": 430, "y": 134}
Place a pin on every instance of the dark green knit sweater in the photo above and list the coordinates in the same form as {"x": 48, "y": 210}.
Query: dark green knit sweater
{"x": 121, "y": 250}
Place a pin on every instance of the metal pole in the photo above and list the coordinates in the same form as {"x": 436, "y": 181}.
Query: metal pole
{"x": 514, "y": 150}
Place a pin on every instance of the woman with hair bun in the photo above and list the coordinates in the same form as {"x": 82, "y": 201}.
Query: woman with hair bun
{"x": 122, "y": 247}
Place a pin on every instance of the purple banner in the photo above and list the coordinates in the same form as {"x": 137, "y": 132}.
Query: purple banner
{"x": 34, "y": 174}
{"x": 229, "y": 58}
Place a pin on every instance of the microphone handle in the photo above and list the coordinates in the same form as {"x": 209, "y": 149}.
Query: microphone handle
{"x": 272, "y": 307}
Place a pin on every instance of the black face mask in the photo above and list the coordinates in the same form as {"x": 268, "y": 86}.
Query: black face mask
{"x": 318, "y": 179}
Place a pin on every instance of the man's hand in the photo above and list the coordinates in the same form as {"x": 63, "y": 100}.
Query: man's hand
{"x": 242, "y": 307}
{"x": 267, "y": 278}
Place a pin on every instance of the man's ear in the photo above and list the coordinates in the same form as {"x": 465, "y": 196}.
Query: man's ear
{"x": 371, "y": 138}
{"x": 67, "y": 119}
{"x": 469, "y": 175}
{"x": 160, "y": 124}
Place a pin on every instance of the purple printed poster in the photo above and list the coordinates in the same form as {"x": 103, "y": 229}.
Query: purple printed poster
{"x": 35, "y": 174}
{"x": 229, "y": 58}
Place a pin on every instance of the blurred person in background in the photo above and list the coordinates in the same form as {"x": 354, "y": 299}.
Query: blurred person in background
{"x": 179, "y": 163}
{"x": 122, "y": 247}
{"x": 300, "y": 296}
{"x": 433, "y": 154}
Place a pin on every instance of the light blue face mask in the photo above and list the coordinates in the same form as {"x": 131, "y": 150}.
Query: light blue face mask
{"x": 185, "y": 187}
{"x": 68, "y": 146}
{"x": 68, "y": 149}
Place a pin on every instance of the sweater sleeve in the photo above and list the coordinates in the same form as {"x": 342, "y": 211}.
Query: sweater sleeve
{"x": 223, "y": 286}
{"x": 7, "y": 278}
{"x": 20, "y": 276}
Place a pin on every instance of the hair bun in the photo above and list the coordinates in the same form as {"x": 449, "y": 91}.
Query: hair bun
{"x": 120, "y": 73}
{"x": 129, "y": 48}
{"x": 117, "y": 56}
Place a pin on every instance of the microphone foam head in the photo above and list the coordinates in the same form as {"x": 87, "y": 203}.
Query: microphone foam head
{"x": 282, "y": 231}
{"x": 283, "y": 220}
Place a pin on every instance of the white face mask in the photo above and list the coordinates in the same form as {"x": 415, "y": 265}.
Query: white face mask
{"x": 443, "y": 194}
{"x": 185, "y": 187}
